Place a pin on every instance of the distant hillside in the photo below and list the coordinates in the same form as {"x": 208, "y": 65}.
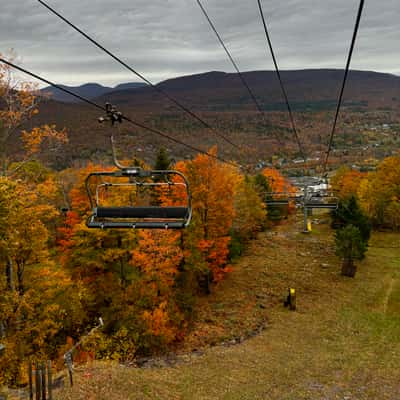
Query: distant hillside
{"x": 130, "y": 85}
{"x": 308, "y": 90}
{"x": 371, "y": 99}
{"x": 88, "y": 90}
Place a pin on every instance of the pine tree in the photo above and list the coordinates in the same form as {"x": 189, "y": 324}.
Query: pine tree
{"x": 163, "y": 162}
{"x": 349, "y": 212}
{"x": 350, "y": 246}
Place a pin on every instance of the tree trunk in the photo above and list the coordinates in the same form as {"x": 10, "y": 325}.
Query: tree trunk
{"x": 348, "y": 268}
{"x": 122, "y": 273}
{"x": 10, "y": 275}
{"x": 20, "y": 277}
{"x": 2, "y": 330}
{"x": 181, "y": 265}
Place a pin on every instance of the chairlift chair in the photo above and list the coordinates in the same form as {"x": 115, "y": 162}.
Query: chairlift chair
{"x": 133, "y": 178}
{"x": 134, "y": 216}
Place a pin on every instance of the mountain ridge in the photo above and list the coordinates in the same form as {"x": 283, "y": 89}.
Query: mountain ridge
{"x": 371, "y": 99}
{"x": 88, "y": 90}
{"x": 217, "y": 90}
{"x": 224, "y": 91}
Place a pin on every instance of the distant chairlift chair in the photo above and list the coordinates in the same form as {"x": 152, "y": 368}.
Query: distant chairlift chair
{"x": 280, "y": 199}
{"x": 278, "y": 204}
{"x": 276, "y": 199}
{"x": 321, "y": 200}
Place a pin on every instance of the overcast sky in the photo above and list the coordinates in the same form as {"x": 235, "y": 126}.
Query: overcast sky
{"x": 167, "y": 38}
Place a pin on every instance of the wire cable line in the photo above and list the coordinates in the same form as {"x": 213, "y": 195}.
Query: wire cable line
{"x": 142, "y": 77}
{"x": 346, "y": 72}
{"x": 301, "y": 148}
{"x": 93, "y": 104}
{"x": 244, "y": 82}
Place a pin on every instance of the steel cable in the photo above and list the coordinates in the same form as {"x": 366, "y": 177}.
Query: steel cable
{"x": 346, "y": 72}
{"x": 301, "y": 148}
{"x": 142, "y": 77}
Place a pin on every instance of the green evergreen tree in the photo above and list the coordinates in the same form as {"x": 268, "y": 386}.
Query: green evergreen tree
{"x": 262, "y": 186}
{"x": 163, "y": 161}
{"x": 350, "y": 246}
{"x": 350, "y": 213}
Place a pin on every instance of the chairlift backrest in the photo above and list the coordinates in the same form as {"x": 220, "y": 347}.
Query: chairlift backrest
{"x": 279, "y": 198}
{"x": 321, "y": 200}
{"x": 138, "y": 216}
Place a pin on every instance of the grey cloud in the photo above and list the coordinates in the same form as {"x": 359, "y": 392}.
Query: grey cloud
{"x": 168, "y": 38}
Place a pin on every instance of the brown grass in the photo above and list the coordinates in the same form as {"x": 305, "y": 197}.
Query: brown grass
{"x": 343, "y": 342}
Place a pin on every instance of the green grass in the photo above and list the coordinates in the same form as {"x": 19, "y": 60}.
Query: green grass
{"x": 343, "y": 342}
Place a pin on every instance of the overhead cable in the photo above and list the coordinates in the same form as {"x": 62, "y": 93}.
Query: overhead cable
{"x": 346, "y": 72}
{"x": 142, "y": 77}
{"x": 93, "y": 104}
{"x": 244, "y": 82}
{"x": 301, "y": 148}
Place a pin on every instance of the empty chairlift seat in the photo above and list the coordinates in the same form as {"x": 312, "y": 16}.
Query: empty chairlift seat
{"x": 327, "y": 201}
{"x": 278, "y": 199}
{"x": 138, "y": 216}
{"x": 277, "y": 202}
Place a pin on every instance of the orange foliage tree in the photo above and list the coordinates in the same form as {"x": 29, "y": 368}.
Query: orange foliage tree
{"x": 213, "y": 186}
{"x": 282, "y": 189}
{"x": 277, "y": 182}
{"x": 158, "y": 257}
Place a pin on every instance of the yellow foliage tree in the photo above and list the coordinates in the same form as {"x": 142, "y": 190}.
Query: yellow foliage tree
{"x": 379, "y": 194}
{"x": 250, "y": 211}
{"x": 19, "y": 104}
{"x": 32, "y": 305}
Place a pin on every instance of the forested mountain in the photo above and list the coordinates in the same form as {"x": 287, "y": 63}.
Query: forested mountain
{"x": 221, "y": 100}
